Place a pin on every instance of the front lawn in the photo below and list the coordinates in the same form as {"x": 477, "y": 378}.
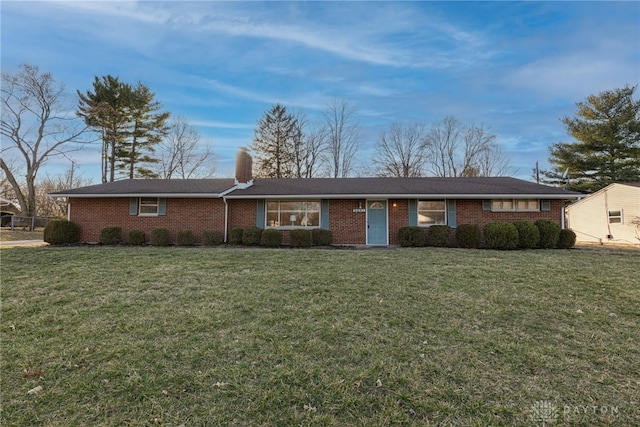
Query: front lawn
{"x": 253, "y": 337}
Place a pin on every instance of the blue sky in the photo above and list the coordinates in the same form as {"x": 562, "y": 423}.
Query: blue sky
{"x": 515, "y": 67}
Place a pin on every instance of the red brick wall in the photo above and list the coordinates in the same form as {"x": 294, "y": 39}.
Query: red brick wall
{"x": 242, "y": 213}
{"x": 398, "y": 218}
{"x": 470, "y": 212}
{"x": 198, "y": 215}
{"x": 347, "y": 226}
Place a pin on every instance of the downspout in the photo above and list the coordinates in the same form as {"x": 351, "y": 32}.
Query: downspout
{"x": 562, "y": 216}
{"x": 226, "y": 217}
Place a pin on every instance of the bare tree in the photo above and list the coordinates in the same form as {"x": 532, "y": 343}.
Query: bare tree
{"x": 308, "y": 146}
{"x": 400, "y": 151}
{"x": 455, "y": 149}
{"x": 57, "y": 207}
{"x": 181, "y": 155}
{"x": 343, "y": 137}
{"x": 36, "y": 124}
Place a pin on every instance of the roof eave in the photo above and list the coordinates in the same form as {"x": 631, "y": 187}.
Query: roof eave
{"x": 403, "y": 196}
{"x": 119, "y": 195}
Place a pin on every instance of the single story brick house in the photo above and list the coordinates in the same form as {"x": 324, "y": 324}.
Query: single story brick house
{"x": 358, "y": 211}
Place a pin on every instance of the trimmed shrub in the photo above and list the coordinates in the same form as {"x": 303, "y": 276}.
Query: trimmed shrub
{"x": 186, "y": 238}
{"x": 528, "y": 235}
{"x": 321, "y": 237}
{"x": 501, "y": 235}
{"x": 439, "y": 236}
{"x": 301, "y": 238}
{"x": 567, "y": 239}
{"x": 235, "y": 237}
{"x": 137, "y": 237}
{"x": 61, "y": 232}
{"x": 549, "y": 233}
{"x": 468, "y": 236}
{"x": 159, "y": 237}
{"x": 412, "y": 237}
{"x": 110, "y": 236}
{"x": 251, "y": 236}
{"x": 271, "y": 238}
{"x": 212, "y": 238}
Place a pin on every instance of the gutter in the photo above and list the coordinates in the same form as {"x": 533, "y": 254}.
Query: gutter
{"x": 406, "y": 196}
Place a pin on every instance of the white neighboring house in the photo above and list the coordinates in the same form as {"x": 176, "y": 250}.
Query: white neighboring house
{"x": 610, "y": 215}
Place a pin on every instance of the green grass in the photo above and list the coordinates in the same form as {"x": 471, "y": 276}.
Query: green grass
{"x": 238, "y": 337}
{"x": 8, "y": 235}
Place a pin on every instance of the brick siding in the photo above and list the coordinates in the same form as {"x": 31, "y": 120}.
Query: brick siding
{"x": 198, "y": 215}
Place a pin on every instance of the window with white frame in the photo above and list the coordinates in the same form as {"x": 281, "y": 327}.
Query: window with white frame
{"x": 148, "y": 206}
{"x": 293, "y": 213}
{"x": 615, "y": 217}
{"x": 510, "y": 205}
{"x": 431, "y": 212}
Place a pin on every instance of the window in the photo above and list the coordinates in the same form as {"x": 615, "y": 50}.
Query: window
{"x": 148, "y": 206}
{"x": 283, "y": 213}
{"x": 431, "y": 212}
{"x": 615, "y": 217}
{"x": 509, "y": 205}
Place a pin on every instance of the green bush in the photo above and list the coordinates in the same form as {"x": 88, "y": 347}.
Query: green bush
{"x": 110, "y": 236}
{"x": 549, "y": 233}
{"x": 271, "y": 238}
{"x": 567, "y": 239}
{"x": 301, "y": 238}
{"x": 468, "y": 236}
{"x": 251, "y": 236}
{"x": 439, "y": 236}
{"x": 212, "y": 238}
{"x": 528, "y": 234}
{"x": 186, "y": 238}
{"x": 61, "y": 232}
{"x": 501, "y": 235}
{"x": 160, "y": 237}
{"x": 412, "y": 237}
{"x": 235, "y": 237}
{"x": 321, "y": 237}
{"x": 137, "y": 237}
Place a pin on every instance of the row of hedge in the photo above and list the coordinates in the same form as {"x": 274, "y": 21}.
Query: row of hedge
{"x": 159, "y": 237}
{"x": 543, "y": 234}
{"x": 271, "y": 238}
{"x": 62, "y": 232}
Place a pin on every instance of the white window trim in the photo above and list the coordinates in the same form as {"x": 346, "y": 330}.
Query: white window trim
{"x": 610, "y": 217}
{"x": 292, "y": 227}
{"x": 157, "y": 205}
{"x": 444, "y": 211}
{"x": 514, "y": 203}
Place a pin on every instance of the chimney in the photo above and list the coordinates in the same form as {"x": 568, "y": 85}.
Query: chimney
{"x": 244, "y": 164}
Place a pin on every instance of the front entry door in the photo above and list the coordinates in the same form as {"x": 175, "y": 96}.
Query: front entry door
{"x": 377, "y": 222}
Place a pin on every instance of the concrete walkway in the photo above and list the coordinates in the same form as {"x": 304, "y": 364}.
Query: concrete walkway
{"x": 23, "y": 244}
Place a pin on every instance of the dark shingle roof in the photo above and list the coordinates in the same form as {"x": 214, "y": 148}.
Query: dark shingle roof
{"x": 153, "y": 187}
{"x": 392, "y": 187}
{"x": 323, "y": 187}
